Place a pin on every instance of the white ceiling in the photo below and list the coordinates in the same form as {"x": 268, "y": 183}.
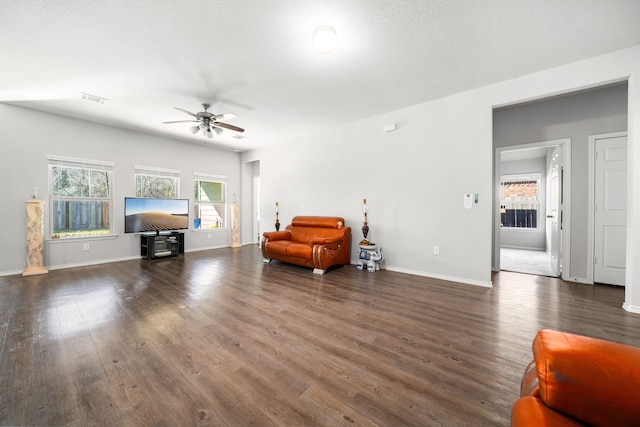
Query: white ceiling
{"x": 254, "y": 57}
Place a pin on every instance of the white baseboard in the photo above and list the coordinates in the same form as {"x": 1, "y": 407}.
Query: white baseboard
{"x": 88, "y": 263}
{"x": 526, "y": 248}
{"x": 442, "y": 277}
{"x": 396, "y": 269}
{"x": 579, "y": 280}
{"x": 631, "y": 308}
{"x": 10, "y": 273}
{"x": 100, "y": 261}
{"x": 128, "y": 258}
{"x": 207, "y": 248}
{"x": 436, "y": 276}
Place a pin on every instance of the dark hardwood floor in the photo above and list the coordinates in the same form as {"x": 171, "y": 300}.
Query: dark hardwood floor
{"x": 219, "y": 338}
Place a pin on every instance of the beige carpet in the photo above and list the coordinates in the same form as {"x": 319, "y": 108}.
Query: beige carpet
{"x": 526, "y": 261}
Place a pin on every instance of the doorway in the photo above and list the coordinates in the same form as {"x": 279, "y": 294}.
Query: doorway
{"x": 538, "y": 243}
{"x": 255, "y": 202}
{"x": 256, "y": 208}
{"x": 250, "y": 204}
{"x": 574, "y": 115}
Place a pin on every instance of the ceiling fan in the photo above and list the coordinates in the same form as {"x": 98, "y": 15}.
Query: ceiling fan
{"x": 207, "y": 121}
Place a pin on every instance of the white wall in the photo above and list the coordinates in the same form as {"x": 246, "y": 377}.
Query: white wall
{"x": 28, "y": 136}
{"x": 401, "y": 174}
{"x": 414, "y": 179}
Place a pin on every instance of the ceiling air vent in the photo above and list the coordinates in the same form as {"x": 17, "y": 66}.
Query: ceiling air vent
{"x": 94, "y": 98}
{"x": 240, "y": 136}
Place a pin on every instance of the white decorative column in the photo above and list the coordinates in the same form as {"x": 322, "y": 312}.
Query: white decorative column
{"x": 35, "y": 238}
{"x": 235, "y": 226}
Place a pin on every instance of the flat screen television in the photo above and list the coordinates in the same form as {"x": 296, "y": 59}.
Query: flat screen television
{"x": 142, "y": 215}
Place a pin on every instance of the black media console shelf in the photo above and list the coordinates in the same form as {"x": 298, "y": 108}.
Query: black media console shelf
{"x": 161, "y": 245}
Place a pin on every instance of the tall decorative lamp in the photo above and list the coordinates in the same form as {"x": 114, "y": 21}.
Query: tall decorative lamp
{"x": 365, "y": 227}
{"x": 277, "y": 220}
{"x": 235, "y": 224}
{"x": 35, "y": 236}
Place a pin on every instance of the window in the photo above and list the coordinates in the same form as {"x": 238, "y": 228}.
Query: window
{"x": 519, "y": 201}
{"x": 81, "y": 197}
{"x": 209, "y": 202}
{"x": 156, "y": 183}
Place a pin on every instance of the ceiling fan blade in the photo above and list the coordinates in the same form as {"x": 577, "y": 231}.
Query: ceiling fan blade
{"x": 226, "y": 126}
{"x": 181, "y": 121}
{"x": 185, "y": 111}
{"x": 225, "y": 116}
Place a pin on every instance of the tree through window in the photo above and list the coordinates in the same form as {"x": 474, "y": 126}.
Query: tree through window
{"x": 156, "y": 183}
{"x": 80, "y": 197}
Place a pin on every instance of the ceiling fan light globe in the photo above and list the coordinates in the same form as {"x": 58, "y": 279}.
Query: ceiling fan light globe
{"x": 217, "y": 130}
{"x": 225, "y": 116}
{"x": 194, "y": 129}
{"x": 209, "y": 133}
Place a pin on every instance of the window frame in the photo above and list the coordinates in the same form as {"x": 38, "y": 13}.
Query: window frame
{"x": 198, "y": 176}
{"x": 78, "y": 163}
{"x": 532, "y": 176}
{"x": 152, "y": 171}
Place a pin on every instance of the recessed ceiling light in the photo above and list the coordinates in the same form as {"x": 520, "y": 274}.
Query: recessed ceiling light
{"x": 325, "y": 39}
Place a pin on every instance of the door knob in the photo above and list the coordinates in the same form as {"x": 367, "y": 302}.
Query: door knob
{"x": 550, "y": 216}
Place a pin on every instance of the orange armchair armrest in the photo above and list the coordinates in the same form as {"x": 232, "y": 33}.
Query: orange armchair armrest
{"x": 590, "y": 379}
{"x": 277, "y": 235}
{"x": 325, "y": 240}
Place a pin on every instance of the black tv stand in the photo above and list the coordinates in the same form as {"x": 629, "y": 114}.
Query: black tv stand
{"x": 158, "y": 245}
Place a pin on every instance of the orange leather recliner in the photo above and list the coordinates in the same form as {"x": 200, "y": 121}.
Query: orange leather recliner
{"x": 579, "y": 381}
{"x": 318, "y": 242}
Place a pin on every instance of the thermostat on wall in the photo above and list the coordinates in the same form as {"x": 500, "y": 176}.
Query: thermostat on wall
{"x": 467, "y": 201}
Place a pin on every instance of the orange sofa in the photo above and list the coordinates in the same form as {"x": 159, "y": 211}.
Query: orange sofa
{"x": 318, "y": 242}
{"x": 579, "y": 381}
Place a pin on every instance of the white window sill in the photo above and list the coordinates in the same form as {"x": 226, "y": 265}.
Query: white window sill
{"x": 83, "y": 238}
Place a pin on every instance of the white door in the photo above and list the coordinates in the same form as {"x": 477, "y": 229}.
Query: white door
{"x": 554, "y": 215}
{"x": 610, "y": 216}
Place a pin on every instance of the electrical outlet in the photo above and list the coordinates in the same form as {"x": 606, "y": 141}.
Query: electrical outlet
{"x": 86, "y": 246}
{"x": 436, "y": 250}
{"x": 209, "y": 236}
